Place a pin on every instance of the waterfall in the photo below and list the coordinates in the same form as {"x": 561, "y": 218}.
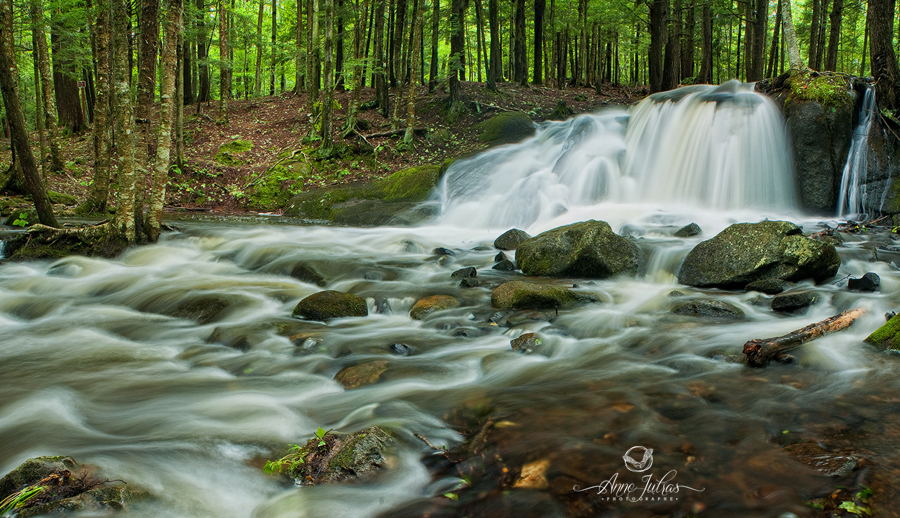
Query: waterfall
{"x": 715, "y": 147}
{"x": 853, "y": 187}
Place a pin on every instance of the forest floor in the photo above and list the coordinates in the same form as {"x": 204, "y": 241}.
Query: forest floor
{"x": 277, "y": 126}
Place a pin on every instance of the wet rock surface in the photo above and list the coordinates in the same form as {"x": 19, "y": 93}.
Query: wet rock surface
{"x": 587, "y": 249}
{"x": 511, "y": 239}
{"x": 524, "y": 295}
{"x": 428, "y": 305}
{"x": 329, "y": 304}
{"x": 792, "y": 302}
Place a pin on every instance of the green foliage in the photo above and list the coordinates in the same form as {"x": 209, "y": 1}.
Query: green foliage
{"x": 21, "y": 221}
{"x": 831, "y": 90}
{"x": 854, "y": 508}
{"x": 19, "y": 499}
{"x": 320, "y": 433}
{"x": 290, "y": 463}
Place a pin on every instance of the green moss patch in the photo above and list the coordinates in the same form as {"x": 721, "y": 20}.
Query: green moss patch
{"x": 505, "y": 128}
{"x": 829, "y": 89}
{"x": 229, "y": 152}
{"x": 412, "y": 184}
{"x": 887, "y": 336}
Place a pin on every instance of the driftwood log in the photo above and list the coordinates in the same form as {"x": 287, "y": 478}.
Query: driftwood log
{"x": 760, "y": 351}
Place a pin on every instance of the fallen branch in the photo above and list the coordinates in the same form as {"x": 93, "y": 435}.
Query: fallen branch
{"x": 760, "y": 351}
{"x": 417, "y": 131}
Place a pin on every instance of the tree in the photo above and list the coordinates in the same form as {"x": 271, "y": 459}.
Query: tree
{"x": 834, "y": 38}
{"x": 16, "y": 120}
{"x": 790, "y": 36}
{"x": 257, "y": 83}
{"x": 224, "y": 63}
{"x": 99, "y": 195}
{"x": 414, "y": 65}
{"x": 202, "y": 54}
{"x": 756, "y": 62}
{"x": 164, "y": 124}
{"x": 42, "y": 59}
{"x": 328, "y": 101}
{"x": 495, "y": 73}
{"x": 379, "y": 65}
{"x": 706, "y": 62}
{"x": 312, "y": 61}
{"x": 539, "y": 6}
{"x": 457, "y": 48}
{"x": 148, "y": 50}
{"x": 880, "y": 20}
{"x": 659, "y": 35}
{"x": 435, "y": 27}
{"x": 672, "y": 64}
{"x": 123, "y": 112}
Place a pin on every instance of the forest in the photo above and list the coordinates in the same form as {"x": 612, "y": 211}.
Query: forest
{"x": 127, "y": 73}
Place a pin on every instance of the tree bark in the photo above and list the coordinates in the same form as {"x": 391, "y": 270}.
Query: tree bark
{"x": 124, "y": 116}
{"x": 299, "y": 62}
{"x": 339, "y": 47}
{"x": 148, "y": 49}
{"x": 834, "y": 38}
{"x": 16, "y": 120}
{"x": 164, "y": 124}
{"x": 42, "y": 58}
{"x": 790, "y": 36}
{"x": 379, "y": 67}
{"x": 203, "y": 85}
{"x": 521, "y": 73}
{"x": 671, "y": 69}
{"x": 414, "y": 65}
{"x": 187, "y": 73}
{"x": 257, "y": 82}
{"x": 179, "y": 97}
{"x": 396, "y": 65}
{"x": 496, "y": 57}
{"x": 773, "y": 53}
{"x": 457, "y": 48}
{"x": 760, "y": 351}
{"x": 706, "y": 62}
{"x": 312, "y": 62}
{"x": 224, "y": 63}
{"x": 328, "y": 101}
{"x": 99, "y": 194}
{"x": 687, "y": 43}
{"x": 65, "y": 84}
{"x": 538, "y": 74}
{"x": 659, "y": 35}
{"x": 758, "y": 45}
{"x": 814, "y": 33}
{"x": 880, "y": 20}
{"x": 274, "y": 47}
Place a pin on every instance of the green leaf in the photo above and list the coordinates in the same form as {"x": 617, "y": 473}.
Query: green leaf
{"x": 320, "y": 433}
{"x": 452, "y": 496}
{"x": 853, "y": 508}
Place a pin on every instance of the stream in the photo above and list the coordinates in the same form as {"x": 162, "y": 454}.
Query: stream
{"x": 98, "y": 359}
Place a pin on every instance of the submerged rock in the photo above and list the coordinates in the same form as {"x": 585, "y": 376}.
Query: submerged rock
{"x": 59, "y": 484}
{"x": 504, "y": 266}
{"x": 329, "y": 304}
{"x": 688, "y": 231}
{"x": 525, "y": 343}
{"x": 709, "y": 309}
{"x": 329, "y": 458}
{"x": 524, "y": 295}
{"x": 465, "y": 273}
{"x": 887, "y": 336}
{"x": 747, "y": 252}
{"x": 768, "y": 286}
{"x": 821, "y": 460}
{"x": 868, "y": 282}
{"x": 429, "y": 305}
{"x": 586, "y": 249}
{"x": 361, "y": 375}
{"x": 510, "y": 239}
{"x": 790, "y": 302}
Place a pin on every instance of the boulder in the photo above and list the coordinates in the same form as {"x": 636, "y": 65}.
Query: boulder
{"x": 361, "y": 375}
{"x": 465, "y": 273}
{"x": 504, "y": 266}
{"x": 887, "y": 336}
{"x": 526, "y": 343}
{"x": 524, "y": 295}
{"x": 747, "y": 252}
{"x": 688, "y": 231}
{"x": 511, "y": 239}
{"x": 790, "y": 302}
{"x": 505, "y": 128}
{"x": 586, "y": 249}
{"x": 768, "y": 286}
{"x": 868, "y": 282}
{"x": 329, "y": 304}
{"x": 429, "y": 305}
{"x": 708, "y": 309}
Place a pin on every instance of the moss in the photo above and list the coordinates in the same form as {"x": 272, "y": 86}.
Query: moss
{"x": 587, "y": 249}
{"x": 329, "y": 304}
{"x": 58, "y": 197}
{"x": 506, "y": 127}
{"x": 886, "y": 336}
{"x": 51, "y": 244}
{"x": 317, "y": 203}
{"x": 228, "y": 153}
{"x": 429, "y": 305}
{"x": 829, "y": 89}
{"x": 275, "y": 187}
{"x": 523, "y": 295}
{"x": 411, "y": 184}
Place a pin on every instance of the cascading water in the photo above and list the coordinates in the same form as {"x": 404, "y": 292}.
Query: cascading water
{"x": 717, "y": 147}
{"x": 852, "y": 199}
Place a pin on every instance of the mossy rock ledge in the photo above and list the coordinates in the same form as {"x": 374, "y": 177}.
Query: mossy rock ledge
{"x": 887, "y": 337}
{"x": 45, "y": 243}
{"x": 329, "y": 304}
{"x": 334, "y": 458}
{"x": 588, "y": 249}
{"x": 748, "y": 252}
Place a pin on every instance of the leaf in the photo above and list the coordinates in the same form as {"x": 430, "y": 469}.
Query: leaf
{"x": 452, "y": 496}
{"x": 853, "y": 508}
{"x": 320, "y": 433}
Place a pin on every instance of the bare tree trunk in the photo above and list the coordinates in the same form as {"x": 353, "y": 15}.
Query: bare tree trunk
{"x": 496, "y": 53}
{"x": 274, "y": 47}
{"x": 521, "y": 72}
{"x": 379, "y": 64}
{"x": 760, "y": 351}
{"x": 224, "y": 64}
{"x": 539, "y": 6}
{"x": 42, "y": 58}
{"x": 834, "y": 38}
{"x": 659, "y": 35}
{"x": 16, "y": 120}
{"x": 339, "y": 47}
{"x": 820, "y": 47}
{"x": 435, "y": 28}
{"x": 706, "y": 61}
{"x": 38, "y": 109}
{"x": 414, "y": 65}
{"x": 671, "y": 68}
{"x": 687, "y": 43}
{"x": 299, "y": 62}
{"x": 773, "y": 53}
{"x": 99, "y": 195}
{"x": 457, "y": 48}
{"x": 359, "y": 29}
{"x": 880, "y": 20}
{"x": 124, "y": 115}
{"x": 164, "y": 125}
{"x": 257, "y": 83}
{"x": 179, "y": 98}
{"x": 148, "y": 49}
{"x": 814, "y": 33}
{"x": 187, "y": 72}
{"x": 65, "y": 84}
{"x": 202, "y": 54}
{"x": 312, "y": 63}
{"x": 328, "y": 101}
{"x": 758, "y": 45}
{"x": 790, "y": 36}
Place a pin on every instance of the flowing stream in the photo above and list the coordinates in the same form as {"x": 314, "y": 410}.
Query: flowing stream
{"x": 97, "y": 360}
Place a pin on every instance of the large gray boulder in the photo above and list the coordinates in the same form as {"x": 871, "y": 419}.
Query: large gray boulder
{"x": 586, "y": 249}
{"x": 747, "y": 252}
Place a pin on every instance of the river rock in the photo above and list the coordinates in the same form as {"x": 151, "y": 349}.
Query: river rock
{"x": 469, "y": 282}
{"x": 868, "y": 282}
{"x": 747, "y": 252}
{"x": 504, "y": 266}
{"x": 465, "y": 273}
{"x": 768, "y": 286}
{"x": 790, "y": 302}
{"x": 688, "y": 231}
{"x": 361, "y": 375}
{"x": 424, "y": 307}
{"x": 524, "y": 295}
{"x": 586, "y": 249}
{"x": 820, "y": 460}
{"x": 708, "y": 309}
{"x": 505, "y": 128}
{"x": 329, "y": 457}
{"x": 510, "y": 239}
{"x": 500, "y": 257}
{"x": 329, "y": 304}
{"x": 887, "y": 336}
{"x": 525, "y": 343}
{"x": 67, "y": 490}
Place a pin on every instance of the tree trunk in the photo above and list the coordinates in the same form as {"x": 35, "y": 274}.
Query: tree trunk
{"x": 814, "y": 33}
{"x": 706, "y": 61}
{"x": 257, "y": 82}
{"x": 339, "y": 47}
{"x": 538, "y": 75}
{"x": 687, "y": 43}
{"x": 148, "y": 49}
{"x": 758, "y": 45}
{"x": 179, "y": 98}
{"x": 457, "y": 48}
{"x": 187, "y": 73}
{"x": 274, "y": 47}
{"x": 48, "y": 115}
{"x": 521, "y": 74}
{"x": 328, "y": 101}
{"x": 790, "y": 36}
{"x": 496, "y": 57}
{"x": 359, "y": 31}
{"x": 65, "y": 84}
{"x": 39, "y": 118}
{"x": 299, "y": 61}
{"x": 834, "y": 38}
{"x": 379, "y": 66}
{"x": 397, "y": 70}
{"x": 224, "y": 64}
{"x": 820, "y": 47}
{"x": 312, "y": 63}
{"x": 16, "y": 121}
{"x": 880, "y": 20}
{"x": 659, "y": 35}
{"x": 671, "y": 68}
{"x": 773, "y": 53}
{"x": 164, "y": 124}
{"x": 97, "y": 199}
{"x": 203, "y": 85}
{"x": 414, "y": 65}
{"x": 124, "y": 115}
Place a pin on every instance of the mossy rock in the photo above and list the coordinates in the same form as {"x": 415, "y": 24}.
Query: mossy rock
{"x": 229, "y": 152}
{"x": 52, "y": 244}
{"x": 587, "y": 249}
{"x": 29, "y": 216}
{"x": 101, "y": 499}
{"x": 318, "y": 203}
{"x": 887, "y": 336}
{"x": 279, "y": 184}
{"x": 525, "y": 295}
{"x": 428, "y": 305}
{"x": 828, "y": 89}
{"x": 361, "y": 375}
{"x": 747, "y": 252}
{"x": 506, "y": 128}
{"x": 332, "y": 458}
{"x": 329, "y": 304}
{"x": 371, "y": 213}
{"x": 58, "y": 197}
{"x": 411, "y": 184}
{"x": 511, "y": 239}
{"x": 32, "y": 471}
